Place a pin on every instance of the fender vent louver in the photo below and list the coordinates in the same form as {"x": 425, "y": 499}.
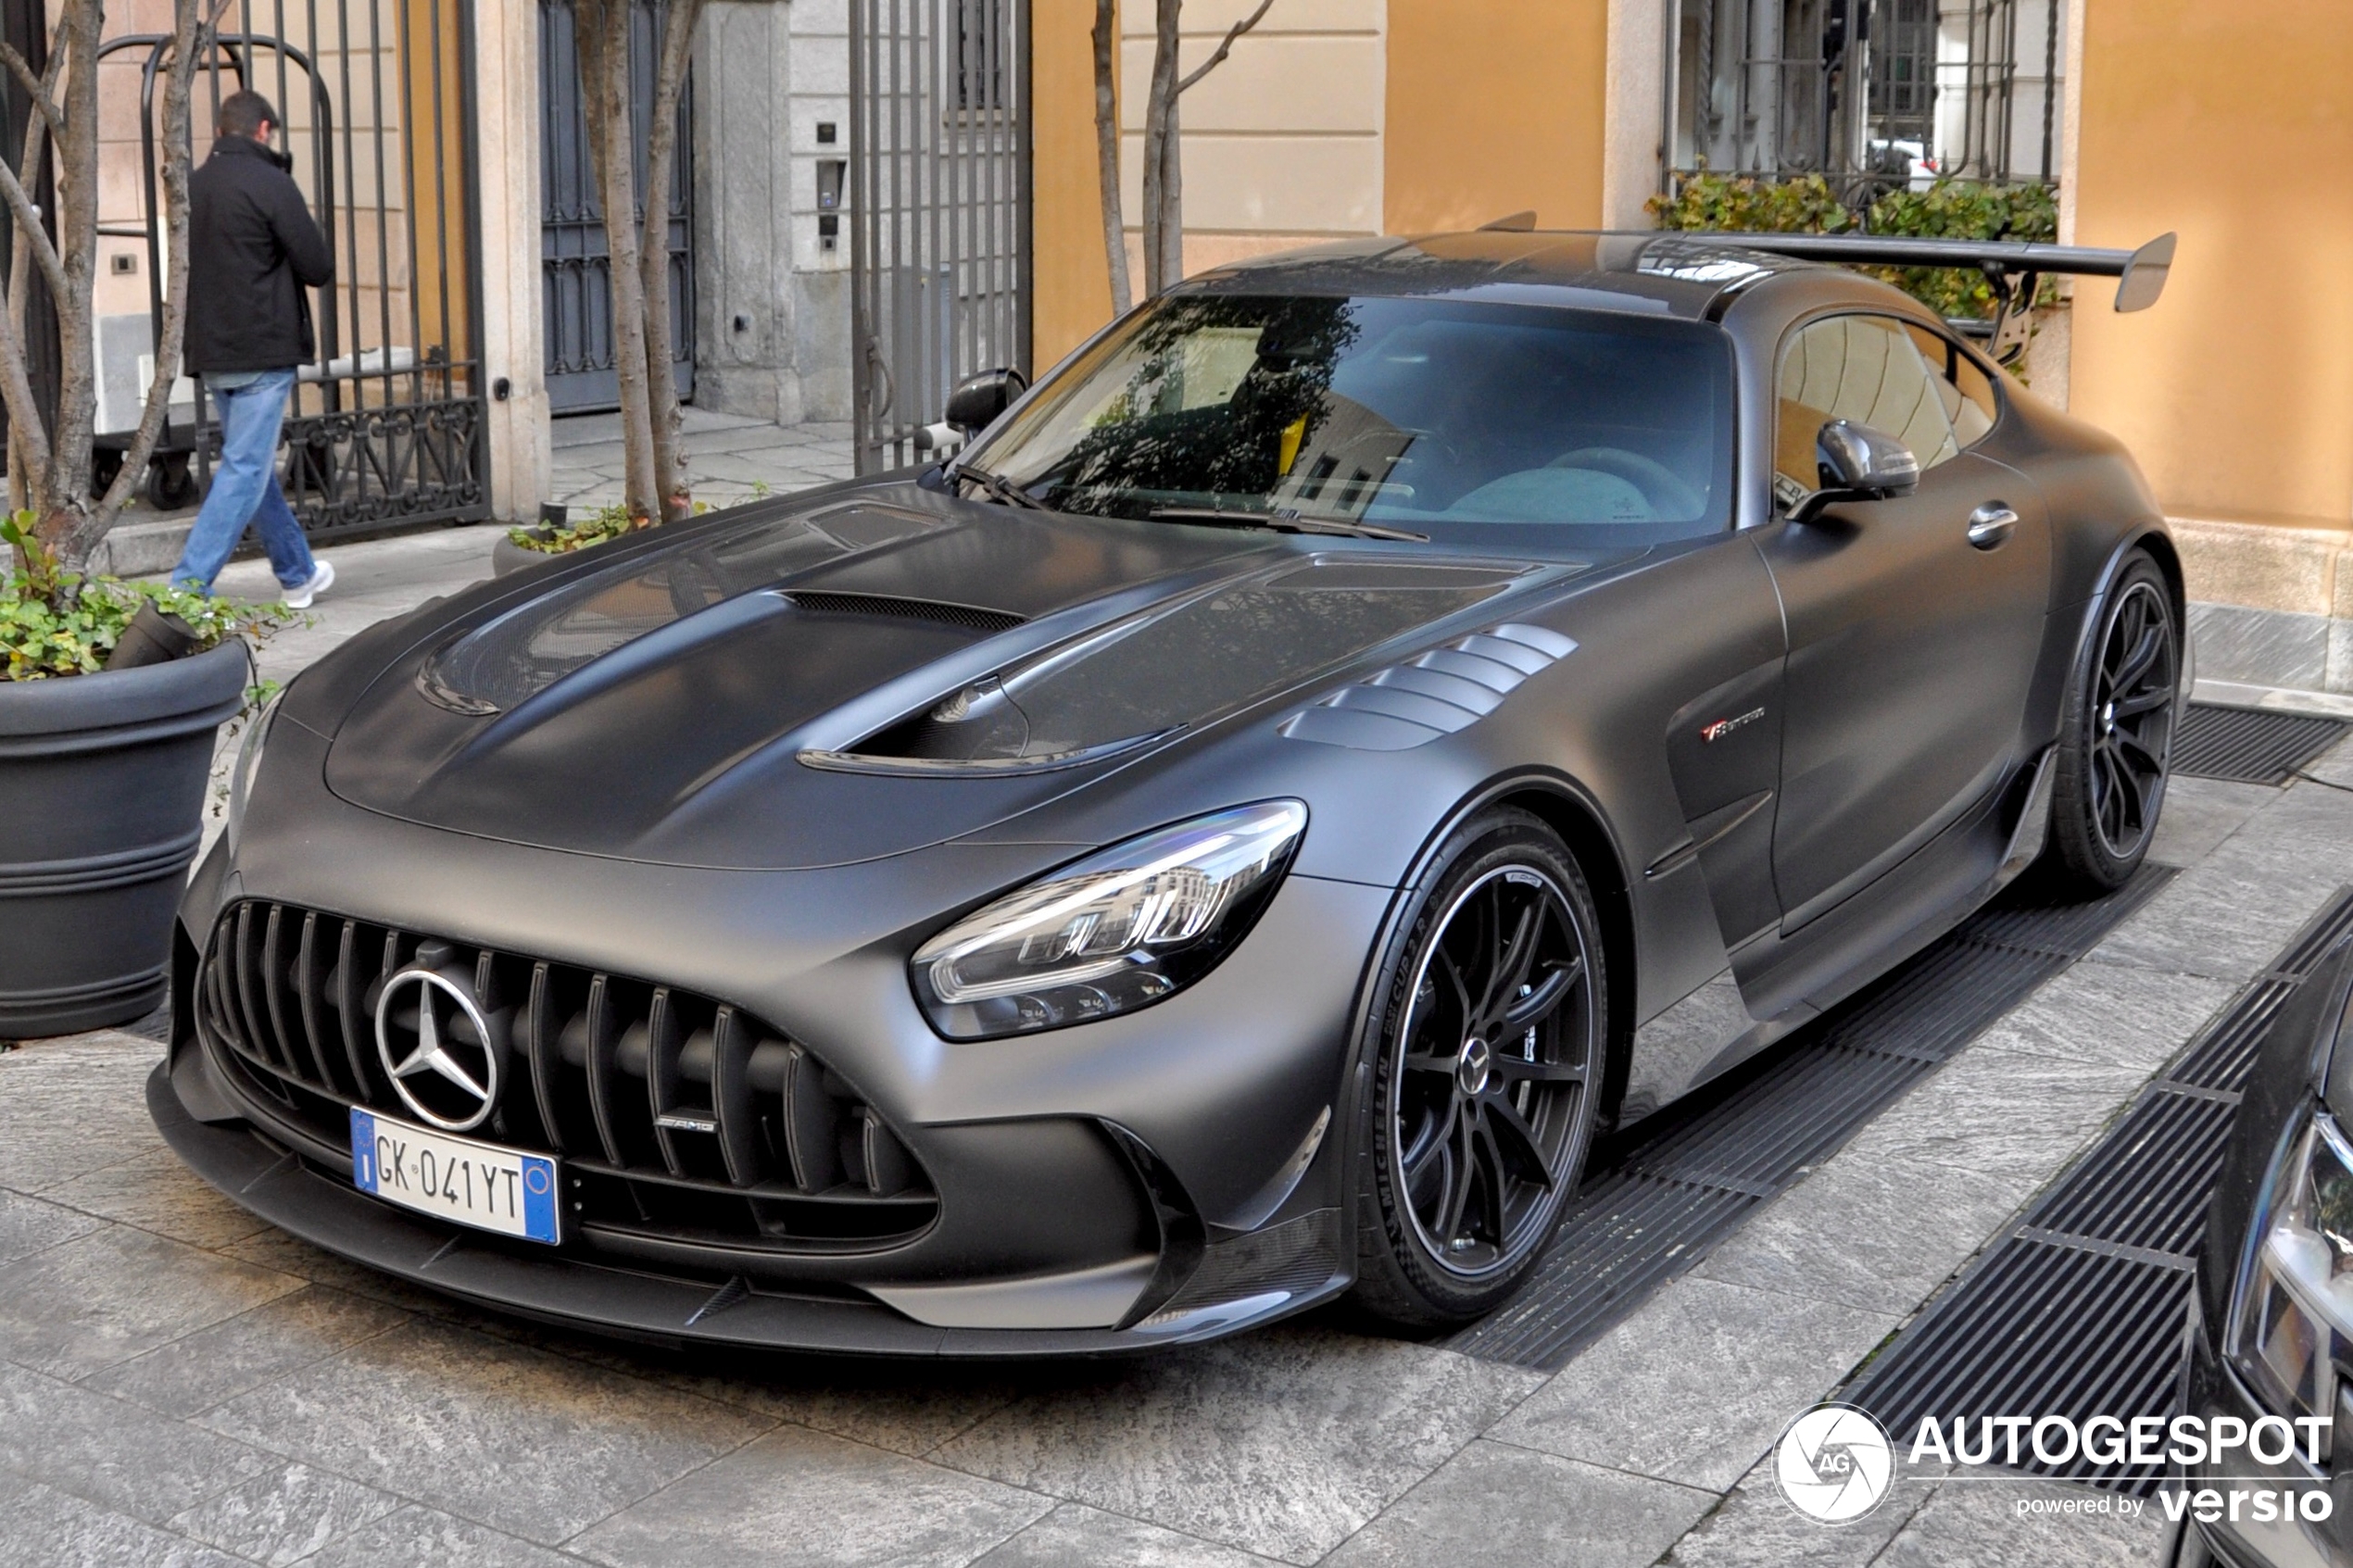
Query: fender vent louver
{"x": 1433, "y": 694}
{"x": 972, "y": 618}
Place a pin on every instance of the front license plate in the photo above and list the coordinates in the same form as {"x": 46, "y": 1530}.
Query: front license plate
{"x": 473, "y": 1184}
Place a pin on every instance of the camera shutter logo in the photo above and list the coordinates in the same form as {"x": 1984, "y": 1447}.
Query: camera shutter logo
{"x": 1834, "y": 1463}
{"x": 452, "y": 1043}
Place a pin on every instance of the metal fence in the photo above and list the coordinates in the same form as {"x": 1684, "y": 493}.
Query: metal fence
{"x": 1872, "y": 94}
{"x": 938, "y": 208}
{"x": 386, "y": 425}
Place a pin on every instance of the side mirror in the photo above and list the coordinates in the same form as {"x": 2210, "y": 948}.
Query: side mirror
{"x": 1858, "y": 463}
{"x": 976, "y": 402}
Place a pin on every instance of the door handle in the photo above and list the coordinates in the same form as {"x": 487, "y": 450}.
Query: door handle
{"x": 1991, "y": 525}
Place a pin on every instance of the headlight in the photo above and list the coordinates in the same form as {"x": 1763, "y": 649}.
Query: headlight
{"x": 1117, "y": 931}
{"x": 2292, "y": 1322}
{"x": 248, "y": 761}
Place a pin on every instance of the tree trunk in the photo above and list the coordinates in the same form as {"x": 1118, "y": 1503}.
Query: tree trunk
{"x": 1160, "y": 131}
{"x": 662, "y": 381}
{"x": 601, "y": 29}
{"x": 62, "y": 496}
{"x": 1107, "y": 152}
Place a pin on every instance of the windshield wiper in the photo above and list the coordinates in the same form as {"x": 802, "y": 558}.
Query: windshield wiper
{"x": 1000, "y": 487}
{"x": 1284, "y": 523}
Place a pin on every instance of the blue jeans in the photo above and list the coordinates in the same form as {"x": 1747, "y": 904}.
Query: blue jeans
{"x": 245, "y": 489}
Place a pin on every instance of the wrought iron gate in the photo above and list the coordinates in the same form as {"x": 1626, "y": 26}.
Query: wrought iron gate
{"x": 576, "y": 276}
{"x": 938, "y": 208}
{"x": 377, "y": 96}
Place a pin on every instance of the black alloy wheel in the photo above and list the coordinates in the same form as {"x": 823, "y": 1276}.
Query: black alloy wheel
{"x": 2117, "y": 747}
{"x": 1483, "y": 1103}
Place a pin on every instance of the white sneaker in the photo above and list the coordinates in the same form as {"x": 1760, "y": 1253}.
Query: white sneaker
{"x": 320, "y": 580}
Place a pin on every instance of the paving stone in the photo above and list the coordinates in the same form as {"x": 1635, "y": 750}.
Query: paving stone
{"x": 535, "y": 1445}
{"x": 28, "y": 1225}
{"x": 156, "y": 1193}
{"x": 117, "y": 1293}
{"x": 2230, "y": 914}
{"x": 111, "y": 1453}
{"x": 290, "y": 1255}
{"x": 416, "y": 1537}
{"x": 71, "y": 1108}
{"x": 199, "y": 1371}
{"x": 2201, "y": 813}
{"x": 1977, "y": 1525}
{"x": 1075, "y": 1536}
{"x": 47, "y": 1528}
{"x": 1283, "y": 1443}
{"x": 2131, "y": 1017}
{"x": 2003, "y": 1113}
{"x": 285, "y": 1516}
{"x": 1879, "y": 1235}
{"x": 1496, "y": 1503}
{"x": 797, "y": 1498}
{"x": 1697, "y": 1383}
{"x": 1755, "y": 1527}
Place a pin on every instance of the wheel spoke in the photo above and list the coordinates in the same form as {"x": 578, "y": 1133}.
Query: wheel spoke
{"x": 1491, "y": 1178}
{"x": 1458, "y": 1179}
{"x": 1515, "y": 1070}
{"x": 1512, "y": 967}
{"x": 1503, "y": 1118}
{"x": 1525, "y": 1012}
{"x": 2127, "y": 747}
{"x": 2148, "y": 701}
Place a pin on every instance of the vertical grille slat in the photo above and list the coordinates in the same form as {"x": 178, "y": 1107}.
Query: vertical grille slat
{"x": 662, "y": 1076}
{"x": 730, "y": 1098}
{"x": 242, "y": 985}
{"x": 308, "y": 990}
{"x": 734, "y": 1132}
{"x": 604, "y": 1088}
{"x": 541, "y": 1034}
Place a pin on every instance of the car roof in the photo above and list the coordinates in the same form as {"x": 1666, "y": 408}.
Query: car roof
{"x": 1649, "y": 271}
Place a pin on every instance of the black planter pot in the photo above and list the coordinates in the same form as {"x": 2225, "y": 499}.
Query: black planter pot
{"x": 506, "y": 555}
{"x": 102, "y": 783}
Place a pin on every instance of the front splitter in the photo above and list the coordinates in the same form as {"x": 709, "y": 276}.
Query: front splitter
{"x": 597, "y": 1299}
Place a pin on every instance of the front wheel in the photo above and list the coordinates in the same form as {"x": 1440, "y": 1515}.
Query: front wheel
{"x": 2116, "y": 741}
{"x": 1491, "y": 1021}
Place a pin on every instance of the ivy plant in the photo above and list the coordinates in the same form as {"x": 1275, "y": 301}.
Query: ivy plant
{"x": 56, "y": 622}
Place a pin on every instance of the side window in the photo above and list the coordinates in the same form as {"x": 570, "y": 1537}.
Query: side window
{"x": 1861, "y": 368}
{"x": 1967, "y": 392}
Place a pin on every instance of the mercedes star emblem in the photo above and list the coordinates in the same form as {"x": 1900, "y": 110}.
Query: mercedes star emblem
{"x": 453, "y": 1059}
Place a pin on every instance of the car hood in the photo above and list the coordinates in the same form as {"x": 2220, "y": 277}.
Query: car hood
{"x": 795, "y": 687}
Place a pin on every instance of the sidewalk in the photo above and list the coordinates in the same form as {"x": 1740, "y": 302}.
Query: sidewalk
{"x": 179, "y": 1384}
{"x": 729, "y": 460}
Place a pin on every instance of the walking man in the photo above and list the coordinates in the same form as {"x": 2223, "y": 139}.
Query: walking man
{"x": 252, "y": 252}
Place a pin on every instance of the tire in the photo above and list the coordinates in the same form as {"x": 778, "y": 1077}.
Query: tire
{"x": 1441, "y": 1238}
{"x": 2116, "y": 736}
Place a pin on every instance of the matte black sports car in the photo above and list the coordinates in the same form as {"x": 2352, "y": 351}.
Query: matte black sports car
{"x": 2272, "y": 1334}
{"x": 1364, "y": 725}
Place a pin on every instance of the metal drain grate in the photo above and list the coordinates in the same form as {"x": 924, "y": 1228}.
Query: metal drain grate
{"x": 1671, "y": 1187}
{"x": 2078, "y": 1311}
{"x": 2248, "y": 746}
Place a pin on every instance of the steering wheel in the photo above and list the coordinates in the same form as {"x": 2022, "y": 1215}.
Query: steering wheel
{"x": 1668, "y": 494}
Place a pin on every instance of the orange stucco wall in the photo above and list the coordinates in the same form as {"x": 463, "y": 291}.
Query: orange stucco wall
{"x": 1495, "y": 106}
{"x": 2233, "y": 124}
{"x": 1069, "y": 280}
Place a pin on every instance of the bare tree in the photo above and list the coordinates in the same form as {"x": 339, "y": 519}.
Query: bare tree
{"x": 49, "y": 450}
{"x": 638, "y": 242}
{"x": 1163, "y": 165}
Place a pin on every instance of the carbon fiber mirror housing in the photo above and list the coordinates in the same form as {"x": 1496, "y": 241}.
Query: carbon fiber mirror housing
{"x": 977, "y": 400}
{"x": 1858, "y": 463}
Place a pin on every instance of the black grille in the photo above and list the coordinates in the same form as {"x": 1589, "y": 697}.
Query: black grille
{"x": 2077, "y": 1310}
{"x": 2248, "y": 746}
{"x": 676, "y": 1117}
{"x": 971, "y": 617}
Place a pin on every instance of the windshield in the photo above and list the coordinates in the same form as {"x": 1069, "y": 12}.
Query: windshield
{"x": 1611, "y": 429}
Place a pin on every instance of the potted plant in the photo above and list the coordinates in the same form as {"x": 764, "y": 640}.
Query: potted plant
{"x": 109, "y": 701}
{"x": 522, "y": 547}
{"x": 112, "y": 692}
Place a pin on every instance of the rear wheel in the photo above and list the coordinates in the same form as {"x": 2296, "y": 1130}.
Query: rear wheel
{"x": 2116, "y": 742}
{"x": 1480, "y": 1109}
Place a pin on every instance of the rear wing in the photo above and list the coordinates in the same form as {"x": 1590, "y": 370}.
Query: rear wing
{"x": 2014, "y": 268}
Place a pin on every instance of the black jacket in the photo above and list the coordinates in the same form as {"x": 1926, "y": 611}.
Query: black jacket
{"x": 252, "y": 251}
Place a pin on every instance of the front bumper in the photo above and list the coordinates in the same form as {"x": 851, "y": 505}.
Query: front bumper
{"x": 2214, "y": 1390}
{"x": 649, "y": 1306}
